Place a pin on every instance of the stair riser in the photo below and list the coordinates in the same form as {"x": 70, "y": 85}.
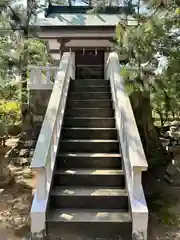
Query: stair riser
{"x": 90, "y": 231}
{"x": 89, "y": 180}
{"x": 89, "y": 134}
{"x": 89, "y": 82}
{"x": 89, "y": 202}
{"x": 89, "y": 123}
{"x": 89, "y": 104}
{"x": 82, "y": 88}
{"x": 89, "y": 95}
{"x": 89, "y": 147}
{"x": 91, "y": 162}
{"x": 74, "y": 112}
{"x": 86, "y": 72}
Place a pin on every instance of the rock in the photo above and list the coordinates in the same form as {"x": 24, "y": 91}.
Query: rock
{"x": 176, "y": 134}
{"x": 15, "y": 129}
{"x": 24, "y": 184}
{"x": 12, "y": 142}
{"x": 165, "y": 141}
{"x": 6, "y": 181}
{"x": 174, "y": 143}
{"x": 166, "y": 134}
{"x": 173, "y": 172}
{"x": 29, "y": 144}
{"x": 27, "y": 173}
{"x": 24, "y": 161}
{"x": 177, "y": 236}
{"x": 175, "y": 123}
{"x": 31, "y": 152}
{"x": 24, "y": 152}
{"x": 20, "y": 161}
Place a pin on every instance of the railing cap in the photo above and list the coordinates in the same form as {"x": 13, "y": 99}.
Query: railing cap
{"x": 41, "y": 152}
{"x": 32, "y": 67}
{"x": 136, "y": 151}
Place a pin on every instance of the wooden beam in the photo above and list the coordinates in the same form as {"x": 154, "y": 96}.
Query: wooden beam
{"x": 69, "y": 38}
{"x": 77, "y": 32}
{"x": 74, "y": 49}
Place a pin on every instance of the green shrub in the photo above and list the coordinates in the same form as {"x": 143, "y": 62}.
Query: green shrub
{"x": 10, "y": 112}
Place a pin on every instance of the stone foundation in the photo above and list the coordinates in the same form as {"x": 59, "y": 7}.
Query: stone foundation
{"x": 38, "y": 102}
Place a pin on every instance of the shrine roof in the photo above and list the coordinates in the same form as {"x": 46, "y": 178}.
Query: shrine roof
{"x": 82, "y": 19}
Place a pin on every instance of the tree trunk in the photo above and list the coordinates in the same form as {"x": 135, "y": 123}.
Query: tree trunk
{"x": 25, "y": 110}
{"x": 157, "y": 157}
{"x": 24, "y": 69}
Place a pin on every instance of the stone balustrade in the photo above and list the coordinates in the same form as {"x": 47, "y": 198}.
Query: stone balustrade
{"x": 42, "y": 77}
{"x": 134, "y": 160}
{"x": 43, "y": 160}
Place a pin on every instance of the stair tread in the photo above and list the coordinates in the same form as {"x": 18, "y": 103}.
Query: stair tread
{"x": 76, "y": 171}
{"x": 89, "y": 65}
{"x": 91, "y": 79}
{"x": 88, "y": 191}
{"x": 90, "y": 118}
{"x": 90, "y": 108}
{"x": 110, "y": 155}
{"x": 89, "y": 140}
{"x": 95, "y": 86}
{"x": 91, "y": 100}
{"x": 89, "y": 92}
{"x": 89, "y": 128}
{"x": 87, "y": 215}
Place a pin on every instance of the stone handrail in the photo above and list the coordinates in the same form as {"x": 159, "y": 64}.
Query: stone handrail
{"x": 47, "y": 144}
{"x": 134, "y": 160}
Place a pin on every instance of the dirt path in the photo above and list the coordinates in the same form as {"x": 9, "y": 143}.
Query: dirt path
{"x": 14, "y": 210}
{"x": 164, "y": 221}
{"x": 15, "y": 202}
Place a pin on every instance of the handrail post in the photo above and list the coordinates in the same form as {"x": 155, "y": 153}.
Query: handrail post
{"x": 41, "y": 184}
{"x": 35, "y": 76}
{"x": 136, "y": 182}
{"x": 48, "y": 76}
{"x": 32, "y": 76}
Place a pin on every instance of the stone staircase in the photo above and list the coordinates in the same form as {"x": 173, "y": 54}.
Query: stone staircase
{"x": 88, "y": 197}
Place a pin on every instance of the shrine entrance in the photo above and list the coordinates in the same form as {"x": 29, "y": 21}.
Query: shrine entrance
{"x": 89, "y": 62}
{"x": 89, "y": 57}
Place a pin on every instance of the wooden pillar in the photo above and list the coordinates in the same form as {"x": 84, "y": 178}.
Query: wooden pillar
{"x": 62, "y": 46}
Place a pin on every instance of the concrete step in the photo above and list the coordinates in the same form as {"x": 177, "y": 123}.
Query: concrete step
{"x": 89, "y": 224}
{"x": 89, "y": 133}
{"x": 89, "y": 177}
{"x": 90, "y": 72}
{"x": 89, "y": 146}
{"x": 89, "y": 82}
{"x": 89, "y": 160}
{"x": 89, "y": 198}
{"x": 89, "y": 88}
{"x": 89, "y": 95}
{"x": 89, "y": 112}
{"x": 89, "y": 122}
{"x": 89, "y": 104}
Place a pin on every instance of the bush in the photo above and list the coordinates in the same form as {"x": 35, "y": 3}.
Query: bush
{"x": 10, "y": 112}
